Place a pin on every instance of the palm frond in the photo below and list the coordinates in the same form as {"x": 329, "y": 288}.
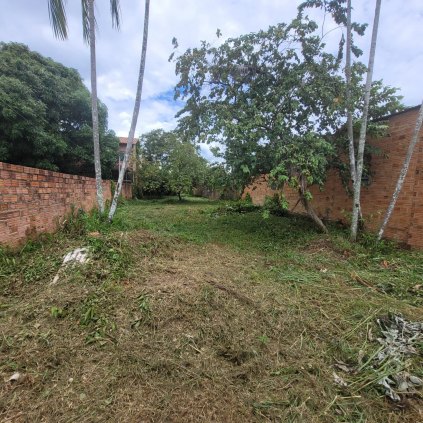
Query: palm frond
{"x": 57, "y": 14}
{"x": 115, "y": 11}
{"x": 85, "y": 21}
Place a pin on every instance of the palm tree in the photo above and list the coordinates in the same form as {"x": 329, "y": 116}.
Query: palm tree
{"x": 58, "y": 20}
{"x": 403, "y": 172}
{"x": 348, "y": 95}
{"x": 134, "y": 115}
{"x": 363, "y": 128}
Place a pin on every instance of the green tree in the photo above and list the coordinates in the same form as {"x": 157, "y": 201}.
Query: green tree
{"x": 58, "y": 20}
{"x": 268, "y": 94}
{"x": 168, "y": 164}
{"x": 150, "y": 179}
{"x": 155, "y": 145}
{"x": 260, "y": 93}
{"x": 363, "y": 130}
{"x": 218, "y": 181}
{"x": 45, "y": 115}
{"x": 185, "y": 169}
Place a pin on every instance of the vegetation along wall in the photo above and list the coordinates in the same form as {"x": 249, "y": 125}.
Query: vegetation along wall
{"x": 333, "y": 203}
{"x": 33, "y": 200}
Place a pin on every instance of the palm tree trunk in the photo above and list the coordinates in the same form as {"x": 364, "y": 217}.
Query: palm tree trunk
{"x": 348, "y": 97}
{"x": 134, "y": 115}
{"x": 363, "y": 129}
{"x": 403, "y": 173}
{"x": 94, "y": 109}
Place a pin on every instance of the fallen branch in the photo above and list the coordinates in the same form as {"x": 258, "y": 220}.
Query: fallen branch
{"x": 361, "y": 281}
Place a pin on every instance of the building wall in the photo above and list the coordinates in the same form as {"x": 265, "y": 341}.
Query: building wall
{"x": 333, "y": 203}
{"x": 33, "y": 201}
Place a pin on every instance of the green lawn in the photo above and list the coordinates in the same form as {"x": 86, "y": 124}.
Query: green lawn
{"x": 191, "y": 311}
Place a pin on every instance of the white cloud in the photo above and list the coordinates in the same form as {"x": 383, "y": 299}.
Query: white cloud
{"x": 113, "y": 87}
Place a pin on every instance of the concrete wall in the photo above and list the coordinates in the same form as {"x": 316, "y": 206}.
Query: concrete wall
{"x": 333, "y": 203}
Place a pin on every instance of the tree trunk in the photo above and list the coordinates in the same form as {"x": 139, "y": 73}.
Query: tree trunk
{"x": 308, "y": 207}
{"x": 403, "y": 173}
{"x": 94, "y": 109}
{"x": 350, "y": 131}
{"x": 179, "y": 196}
{"x": 363, "y": 129}
{"x": 134, "y": 115}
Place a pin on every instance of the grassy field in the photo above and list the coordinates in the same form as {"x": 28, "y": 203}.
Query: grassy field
{"x": 200, "y": 312}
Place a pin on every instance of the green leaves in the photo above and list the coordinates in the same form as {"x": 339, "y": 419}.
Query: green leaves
{"x": 274, "y": 98}
{"x": 45, "y": 115}
{"x": 169, "y": 164}
{"x": 57, "y": 15}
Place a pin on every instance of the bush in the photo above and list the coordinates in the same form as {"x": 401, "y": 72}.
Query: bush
{"x": 239, "y": 206}
{"x": 248, "y": 199}
{"x": 276, "y": 205}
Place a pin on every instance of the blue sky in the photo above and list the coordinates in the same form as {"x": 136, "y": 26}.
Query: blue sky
{"x": 399, "y": 59}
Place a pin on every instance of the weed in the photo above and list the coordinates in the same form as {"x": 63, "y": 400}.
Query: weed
{"x": 94, "y": 316}
{"x": 264, "y": 339}
{"x": 144, "y": 304}
{"x": 57, "y": 312}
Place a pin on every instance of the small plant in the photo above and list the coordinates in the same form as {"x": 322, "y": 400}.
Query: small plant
{"x": 144, "y": 304}
{"x": 57, "y": 312}
{"x": 264, "y": 339}
{"x": 145, "y": 309}
{"x": 74, "y": 224}
{"x": 101, "y": 327}
{"x": 248, "y": 199}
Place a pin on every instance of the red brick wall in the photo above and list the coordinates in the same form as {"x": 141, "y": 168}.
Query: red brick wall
{"x": 35, "y": 200}
{"x": 406, "y": 223}
{"x": 126, "y": 190}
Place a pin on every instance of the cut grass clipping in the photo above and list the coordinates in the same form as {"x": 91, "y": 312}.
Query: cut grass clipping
{"x": 202, "y": 311}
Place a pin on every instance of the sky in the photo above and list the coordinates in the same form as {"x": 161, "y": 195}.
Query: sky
{"x": 399, "y": 55}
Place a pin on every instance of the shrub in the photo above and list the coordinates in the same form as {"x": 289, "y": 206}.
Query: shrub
{"x": 276, "y": 205}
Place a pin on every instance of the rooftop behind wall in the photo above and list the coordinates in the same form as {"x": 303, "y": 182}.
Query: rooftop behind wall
{"x": 333, "y": 203}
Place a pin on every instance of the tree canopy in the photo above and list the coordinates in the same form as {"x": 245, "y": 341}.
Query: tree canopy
{"x": 275, "y": 99}
{"x": 169, "y": 164}
{"x": 45, "y": 115}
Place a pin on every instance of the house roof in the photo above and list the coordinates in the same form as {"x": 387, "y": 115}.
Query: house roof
{"x": 124, "y": 140}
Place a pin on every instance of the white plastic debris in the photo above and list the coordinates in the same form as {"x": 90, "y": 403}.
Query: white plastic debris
{"x": 15, "y": 377}
{"x": 339, "y": 381}
{"x": 79, "y": 255}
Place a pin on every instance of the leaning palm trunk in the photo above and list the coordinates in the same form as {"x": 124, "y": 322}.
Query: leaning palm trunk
{"x": 351, "y": 150}
{"x": 94, "y": 109}
{"x": 363, "y": 129}
{"x": 134, "y": 116}
{"x": 403, "y": 173}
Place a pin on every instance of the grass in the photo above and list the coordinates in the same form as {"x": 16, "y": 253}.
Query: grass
{"x": 196, "y": 311}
